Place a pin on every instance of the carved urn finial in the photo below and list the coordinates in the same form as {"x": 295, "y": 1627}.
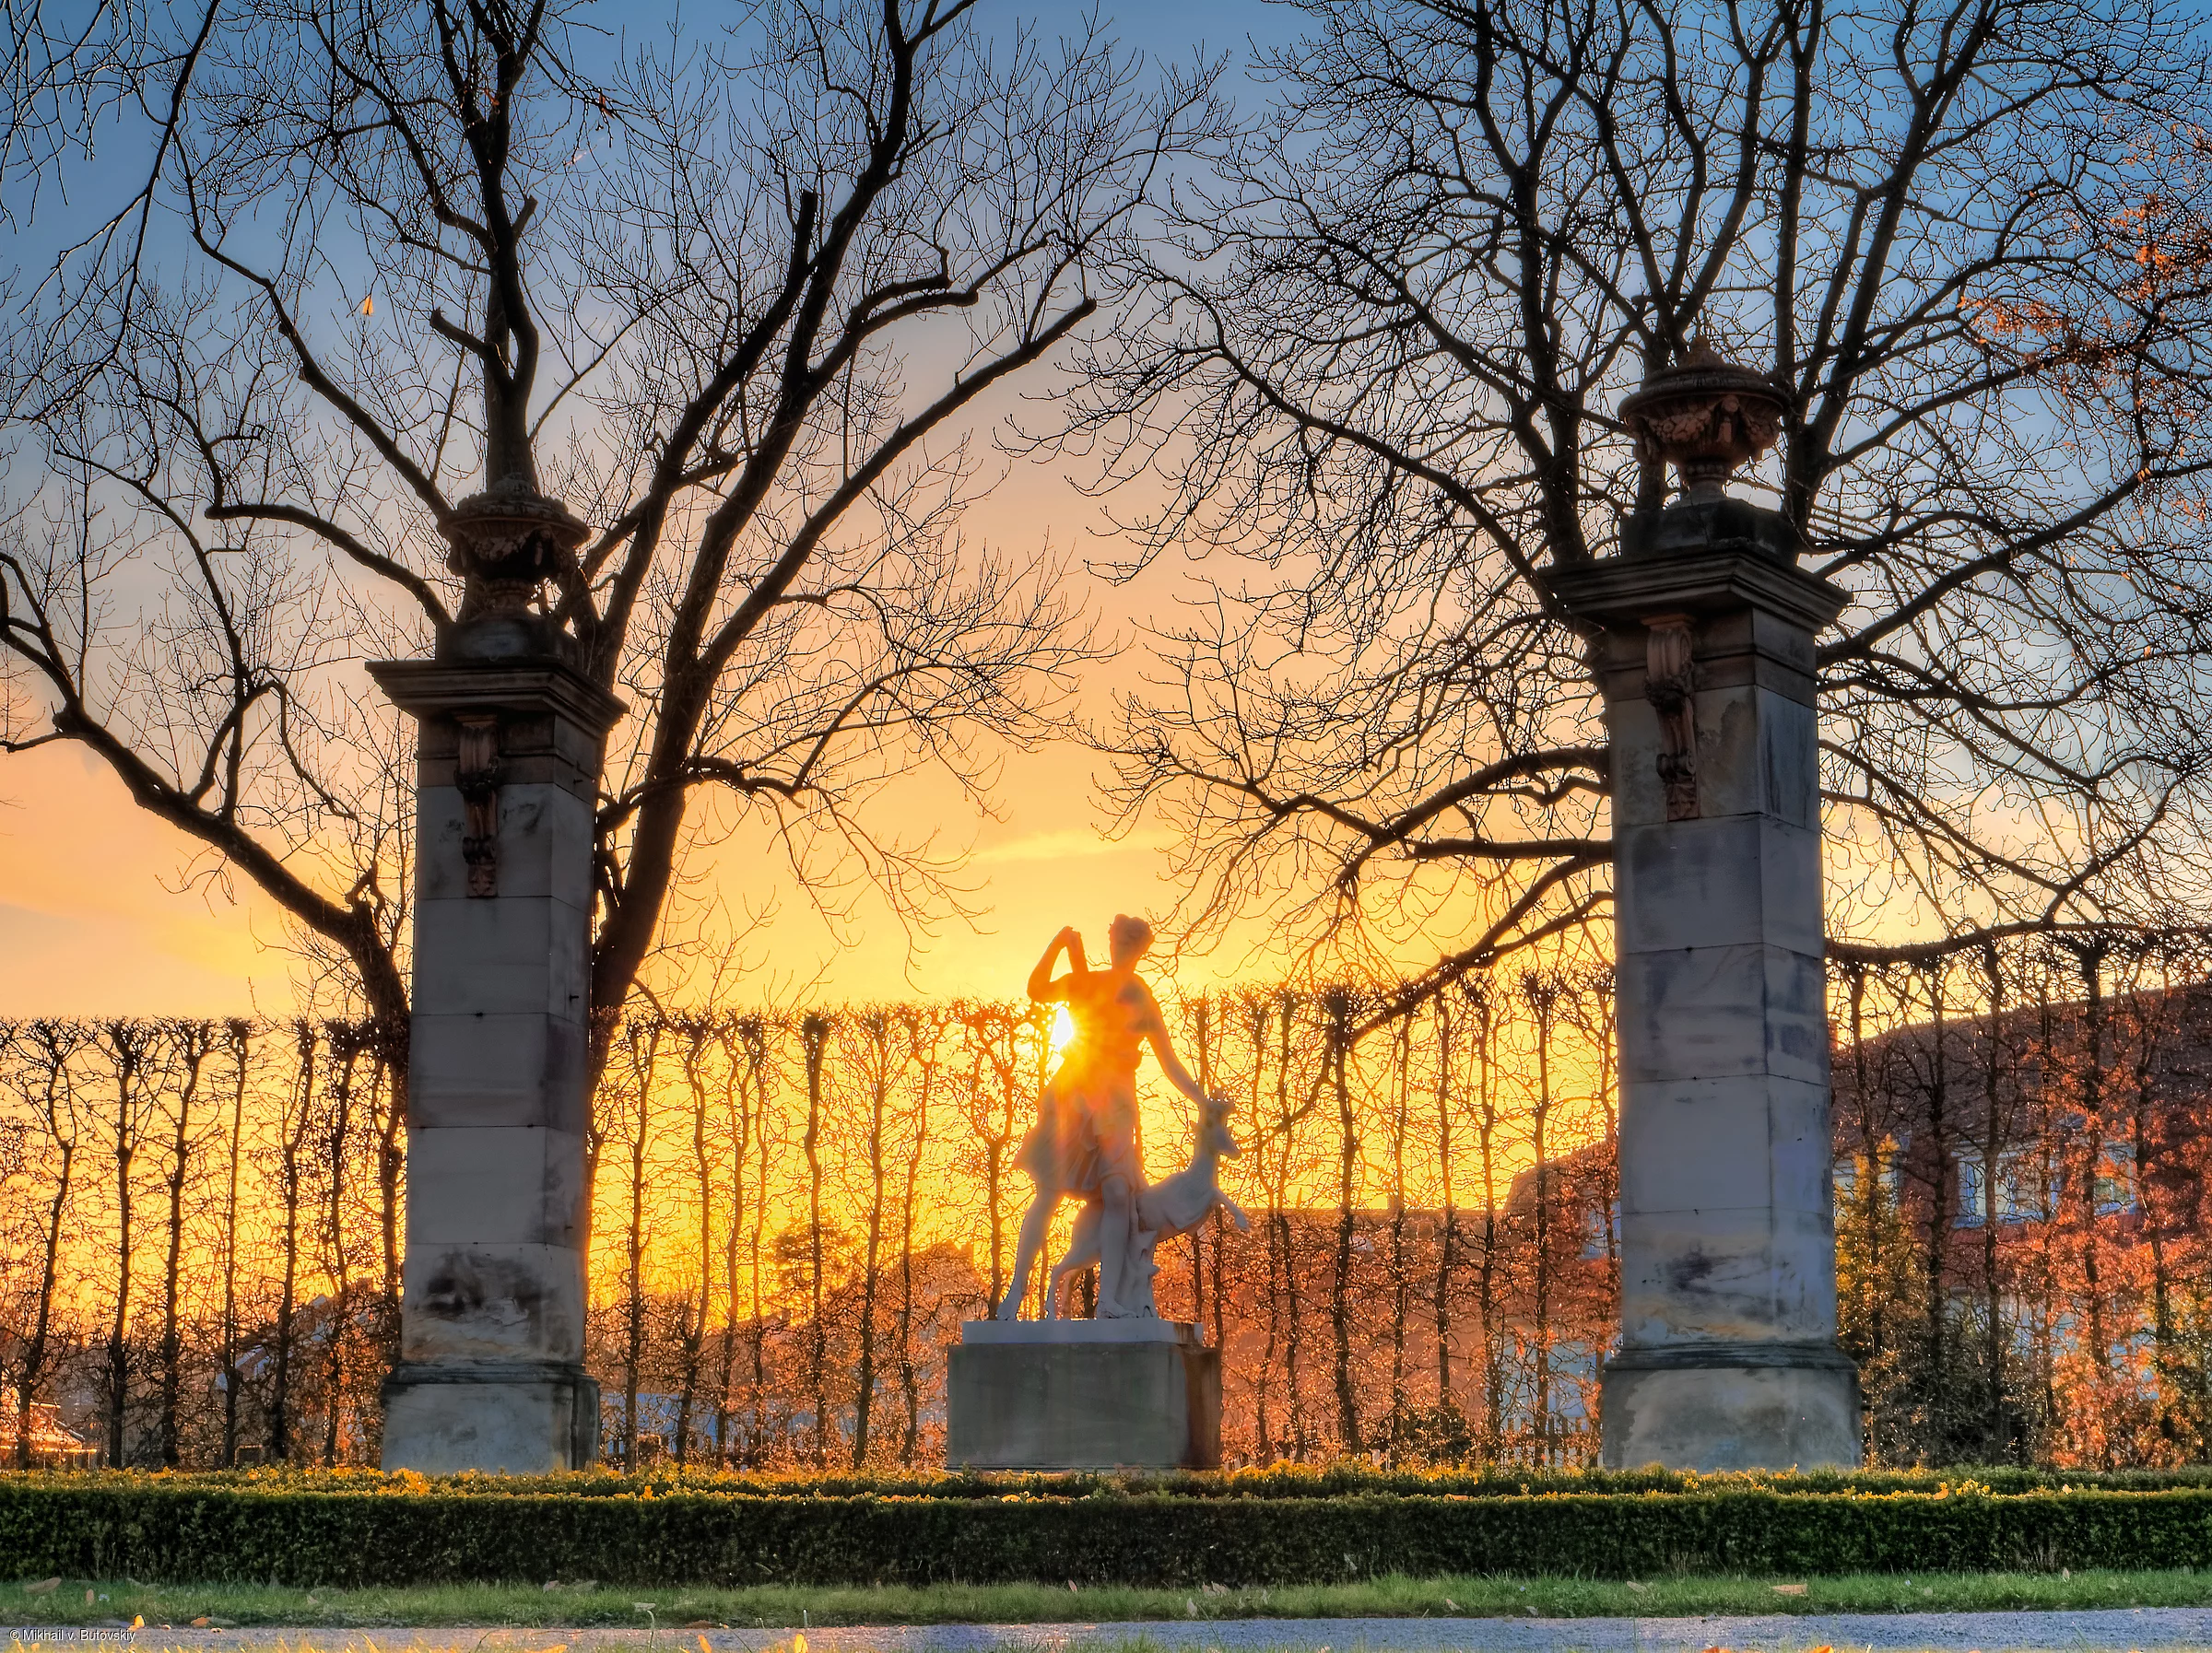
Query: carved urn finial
{"x": 1705, "y": 417}
{"x": 507, "y": 541}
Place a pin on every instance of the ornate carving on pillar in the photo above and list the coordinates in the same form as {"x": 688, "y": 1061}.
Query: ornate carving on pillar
{"x": 1704, "y": 417}
{"x": 1670, "y": 684}
{"x": 476, "y": 774}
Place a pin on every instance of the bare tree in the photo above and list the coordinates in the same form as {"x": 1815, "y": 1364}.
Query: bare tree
{"x": 238, "y": 1038}
{"x": 41, "y": 1068}
{"x": 816, "y": 1031}
{"x": 1483, "y": 1008}
{"x": 692, "y": 1312}
{"x": 872, "y": 1035}
{"x": 740, "y": 298}
{"x": 295, "y": 1119}
{"x": 1376, "y": 358}
{"x": 640, "y": 1041}
{"x": 194, "y": 1043}
{"x": 925, "y": 1029}
{"x": 133, "y": 1057}
{"x": 1338, "y": 1007}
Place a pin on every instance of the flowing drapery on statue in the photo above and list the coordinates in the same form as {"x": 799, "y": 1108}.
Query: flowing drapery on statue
{"x": 1126, "y": 1388}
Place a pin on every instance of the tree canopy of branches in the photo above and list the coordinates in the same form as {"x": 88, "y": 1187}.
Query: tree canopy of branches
{"x": 740, "y": 298}
{"x": 1388, "y": 333}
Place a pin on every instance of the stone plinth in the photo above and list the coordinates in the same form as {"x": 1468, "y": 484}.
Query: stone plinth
{"x": 1083, "y": 1395}
{"x": 490, "y": 1373}
{"x": 1705, "y": 653}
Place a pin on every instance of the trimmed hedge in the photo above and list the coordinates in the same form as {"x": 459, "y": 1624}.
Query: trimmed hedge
{"x": 362, "y": 1530}
{"x": 1340, "y": 1479}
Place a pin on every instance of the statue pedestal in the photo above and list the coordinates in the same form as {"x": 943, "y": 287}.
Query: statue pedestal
{"x": 1138, "y": 1394}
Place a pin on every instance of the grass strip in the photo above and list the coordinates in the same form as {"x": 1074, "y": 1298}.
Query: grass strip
{"x": 585, "y": 1604}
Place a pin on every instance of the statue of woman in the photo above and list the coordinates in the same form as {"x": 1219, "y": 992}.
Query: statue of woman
{"x": 1085, "y": 1142}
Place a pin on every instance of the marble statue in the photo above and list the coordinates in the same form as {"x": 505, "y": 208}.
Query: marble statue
{"x": 1085, "y": 1142}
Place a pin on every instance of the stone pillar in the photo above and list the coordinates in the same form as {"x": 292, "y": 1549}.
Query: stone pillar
{"x": 490, "y": 1373}
{"x": 1704, "y": 649}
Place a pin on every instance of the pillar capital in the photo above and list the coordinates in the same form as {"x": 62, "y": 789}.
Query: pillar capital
{"x": 551, "y": 720}
{"x": 1700, "y": 559}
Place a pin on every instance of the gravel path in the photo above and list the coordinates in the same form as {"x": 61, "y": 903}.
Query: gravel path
{"x": 2121, "y": 1630}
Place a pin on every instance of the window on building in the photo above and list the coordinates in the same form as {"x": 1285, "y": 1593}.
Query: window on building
{"x": 2027, "y": 1187}
{"x": 2116, "y": 1179}
{"x": 1974, "y": 1193}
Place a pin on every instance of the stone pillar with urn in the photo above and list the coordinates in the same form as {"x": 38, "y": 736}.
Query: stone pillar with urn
{"x": 512, "y": 738}
{"x": 1702, "y": 638}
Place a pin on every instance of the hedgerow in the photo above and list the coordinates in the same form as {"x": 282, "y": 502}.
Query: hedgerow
{"x": 1267, "y": 1528}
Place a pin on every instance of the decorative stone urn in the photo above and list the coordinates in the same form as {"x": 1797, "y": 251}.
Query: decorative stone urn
{"x": 1702, "y": 631}
{"x": 1705, "y": 417}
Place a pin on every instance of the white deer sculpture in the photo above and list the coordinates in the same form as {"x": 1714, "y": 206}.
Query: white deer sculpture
{"x": 1172, "y": 1206}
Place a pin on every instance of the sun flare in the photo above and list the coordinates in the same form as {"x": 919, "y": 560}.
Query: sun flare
{"x": 1063, "y": 1035}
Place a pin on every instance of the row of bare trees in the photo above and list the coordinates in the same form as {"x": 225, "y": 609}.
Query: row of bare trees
{"x": 2023, "y": 1145}
{"x": 202, "y": 1237}
{"x": 794, "y": 1211}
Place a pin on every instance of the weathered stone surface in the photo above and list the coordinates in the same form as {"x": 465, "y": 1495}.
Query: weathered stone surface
{"x": 1730, "y": 1417}
{"x": 478, "y": 1300}
{"x": 1083, "y": 1395}
{"x": 495, "y": 1185}
{"x": 521, "y": 955}
{"x": 498, "y": 1069}
{"x": 545, "y": 843}
{"x": 492, "y": 1308}
{"x": 510, "y": 1420}
{"x": 1700, "y": 1013}
{"x": 1739, "y": 879}
{"x": 1712, "y": 1145}
{"x": 1736, "y": 1273}
{"x": 1728, "y": 1310}
{"x": 1129, "y": 1329}
{"x": 1754, "y": 757}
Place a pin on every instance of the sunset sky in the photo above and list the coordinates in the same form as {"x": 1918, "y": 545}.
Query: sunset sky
{"x": 101, "y": 913}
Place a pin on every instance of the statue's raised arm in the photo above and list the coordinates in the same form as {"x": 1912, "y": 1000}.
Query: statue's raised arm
{"x": 1043, "y": 990}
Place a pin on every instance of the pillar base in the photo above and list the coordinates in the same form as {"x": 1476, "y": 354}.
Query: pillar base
{"x": 1132, "y": 1394}
{"x": 499, "y": 1418}
{"x": 1730, "y": 1406}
